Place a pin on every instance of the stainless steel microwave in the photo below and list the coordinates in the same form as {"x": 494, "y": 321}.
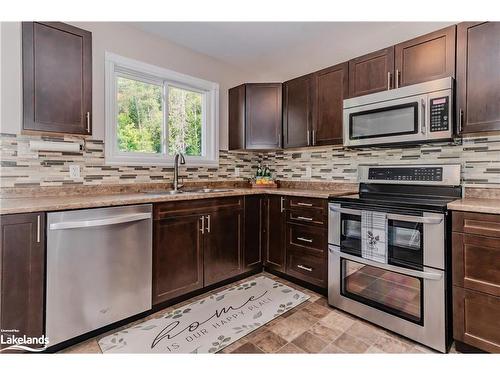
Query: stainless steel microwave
{"x": 411, "y": 114}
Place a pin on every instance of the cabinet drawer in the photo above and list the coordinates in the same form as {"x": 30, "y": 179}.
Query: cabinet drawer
{"x": 196, "y": 206}
{"x": 307, "y": 267}
{"x": 475, "y": 319}
{"x": 476, "y": 261}
{"x": 306, "y": 236}
{"x": 307, "y": 217}
{"x": 303, "y": 202}
{"x": 475, "y": 223}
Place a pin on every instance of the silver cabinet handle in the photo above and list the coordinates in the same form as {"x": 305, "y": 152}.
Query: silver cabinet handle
{"x": 423, "y": 114}
{"x": 313, "y": 137}
{"x": 396, "y": 78}
{"x": 304, "y": 204}
{"x": 460, "y": 120}
{"x": 308, "y": 269}
{"x": 87, "y": 117}
{"x": 282, "y": 204}
{"x": 304, "y": 218}
{"x": 389, "y": 267}
{"x": 100, "y": 222}
{"x": 413, "y": 219}
{"x": 202, "y": 229}
{"x": 388, "y": 80}
{"x": 208, "y": 223}
{"x": 305, "y": 239}
{"x": 38, "y": 229}
{"x": 308, "y": 137}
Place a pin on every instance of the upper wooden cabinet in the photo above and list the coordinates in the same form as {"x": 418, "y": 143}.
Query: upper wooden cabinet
{"x": 22, "y": 263}
{"x": 255, "y": 116}
{"x": 57, "y": 78}
{"x": 478, "y": 76}
{"x": 298, "y": 111}
{"x": 426, "y": 58}
{"x": 371, "y": 73}
{"x": 332, "y": 86}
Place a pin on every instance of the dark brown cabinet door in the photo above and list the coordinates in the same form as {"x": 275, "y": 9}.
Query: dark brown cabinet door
{"x": 297, "y": 112}
{"x": 253, "y": 233}
{"x": 426, "y": 58}
{"x": 371, "y": 73}
{"x": 263, "y": 116}
{"x": 332, "y": 86}
{"x": 177, "y": 257}
{"x": 22, "y": 259}
{"x": 478, "y": 77}
{"x": 237, "y": 118}
{"x": 57, "y": 78}
{"x": 275, "y": 232}
{"x": 223, "y": 245}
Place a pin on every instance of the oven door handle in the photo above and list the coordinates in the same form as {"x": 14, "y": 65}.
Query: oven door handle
{"x": 389, "y": 267}
{"x": 398, "y": 217}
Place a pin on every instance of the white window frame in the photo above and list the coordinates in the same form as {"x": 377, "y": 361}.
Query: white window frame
{"x": 119, "y": 66}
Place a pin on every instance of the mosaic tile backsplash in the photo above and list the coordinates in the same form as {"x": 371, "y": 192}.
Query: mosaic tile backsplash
{"x": 479, "y": 157}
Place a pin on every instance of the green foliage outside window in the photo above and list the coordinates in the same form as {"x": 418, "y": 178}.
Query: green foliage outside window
{"x": 140, "y": 118}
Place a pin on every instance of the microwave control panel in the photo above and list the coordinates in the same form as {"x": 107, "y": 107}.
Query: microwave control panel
{"x": 440, "y": 120}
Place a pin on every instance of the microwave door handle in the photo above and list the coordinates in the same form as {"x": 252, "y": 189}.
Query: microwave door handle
{"x": 388, "y": 267}
{"x": 397, "y": 217}
{"x": 423, "y": 116}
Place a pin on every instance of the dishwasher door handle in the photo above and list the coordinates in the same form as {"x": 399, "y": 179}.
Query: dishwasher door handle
{"x": 100, "y": 222}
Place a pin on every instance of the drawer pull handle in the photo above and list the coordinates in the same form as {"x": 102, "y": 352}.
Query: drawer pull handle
{"x": 202, "y": 229}
{"x": 304, "y": 204}
{"x": 304, "y": 239}
{"x": 308, "y": 269}
{"x": 304, "y": 218}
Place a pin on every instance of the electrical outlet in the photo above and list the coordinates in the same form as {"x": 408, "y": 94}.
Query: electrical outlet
{"x": 237, "y": 172}
{"x": 308, "y": 171}
{"x": 74, "y": 171}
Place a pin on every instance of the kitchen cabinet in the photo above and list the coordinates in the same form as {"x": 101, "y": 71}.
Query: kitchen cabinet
{"x": 478, "y": 78}
{"x": 306, "y": 240}
{"x": 177, "y": 256}
{"x": 332, "y": 87}
{"x": 426, "y": 58}
{"x": 57, "y": 78}
{"x": 371, "y": 73}
{"x": 22, "y": 267}
{"x": 298, "y": 112}
{"x": 476, "y": 280}
{"x": 253, "y": 232}
{"x": 274, "y": 232}
{"x": 255, "y": 115}
{"x": 222, "y": 245}
{"x": 196, "y": 244}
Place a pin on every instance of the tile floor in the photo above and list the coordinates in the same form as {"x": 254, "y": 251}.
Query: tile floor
{"x": 312, "y": 327}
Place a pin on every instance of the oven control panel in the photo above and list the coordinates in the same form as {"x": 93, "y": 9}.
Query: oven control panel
{"x": 440, "y": 120}
{"x": 409, "y": 174}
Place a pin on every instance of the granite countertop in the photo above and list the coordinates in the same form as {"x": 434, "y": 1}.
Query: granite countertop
{"x": 482, "y": 205}
{"x": 22, "y": 205}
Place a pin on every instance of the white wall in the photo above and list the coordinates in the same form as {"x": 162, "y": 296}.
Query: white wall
{"x": 124, "y": 40}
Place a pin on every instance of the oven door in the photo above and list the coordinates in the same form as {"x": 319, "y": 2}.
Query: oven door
{"x": 407, "y": 301}
{"x": 391, "y": 121}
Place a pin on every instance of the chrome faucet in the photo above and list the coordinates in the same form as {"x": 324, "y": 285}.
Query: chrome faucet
{"x": 176, "y": 169}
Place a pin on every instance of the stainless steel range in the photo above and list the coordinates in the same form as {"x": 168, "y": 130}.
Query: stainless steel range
{"x": 389, "y": 249}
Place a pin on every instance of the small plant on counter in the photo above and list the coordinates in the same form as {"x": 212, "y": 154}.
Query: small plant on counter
{"x": 263, "y": 177}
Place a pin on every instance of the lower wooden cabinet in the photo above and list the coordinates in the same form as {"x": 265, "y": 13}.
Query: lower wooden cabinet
{"x": 177, "y": 256}
{"x": 222, "y": 246}
{"x": 22, "y": 260}
{"x": 253, "y": 232}
{"x": 274, "y": 232}
{"x": 476, "y": 280}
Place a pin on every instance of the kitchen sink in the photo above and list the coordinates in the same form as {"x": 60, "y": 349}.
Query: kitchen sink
{"x": 185, "y": 191}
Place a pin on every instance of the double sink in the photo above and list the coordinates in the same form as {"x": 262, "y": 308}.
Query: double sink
{"x": 186, "y": 191}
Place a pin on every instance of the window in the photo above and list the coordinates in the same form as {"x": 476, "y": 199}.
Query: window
{"x": 153, "y": 113}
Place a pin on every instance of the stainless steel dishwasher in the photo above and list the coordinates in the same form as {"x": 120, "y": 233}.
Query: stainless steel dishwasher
{"x": 99, "y": 266}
